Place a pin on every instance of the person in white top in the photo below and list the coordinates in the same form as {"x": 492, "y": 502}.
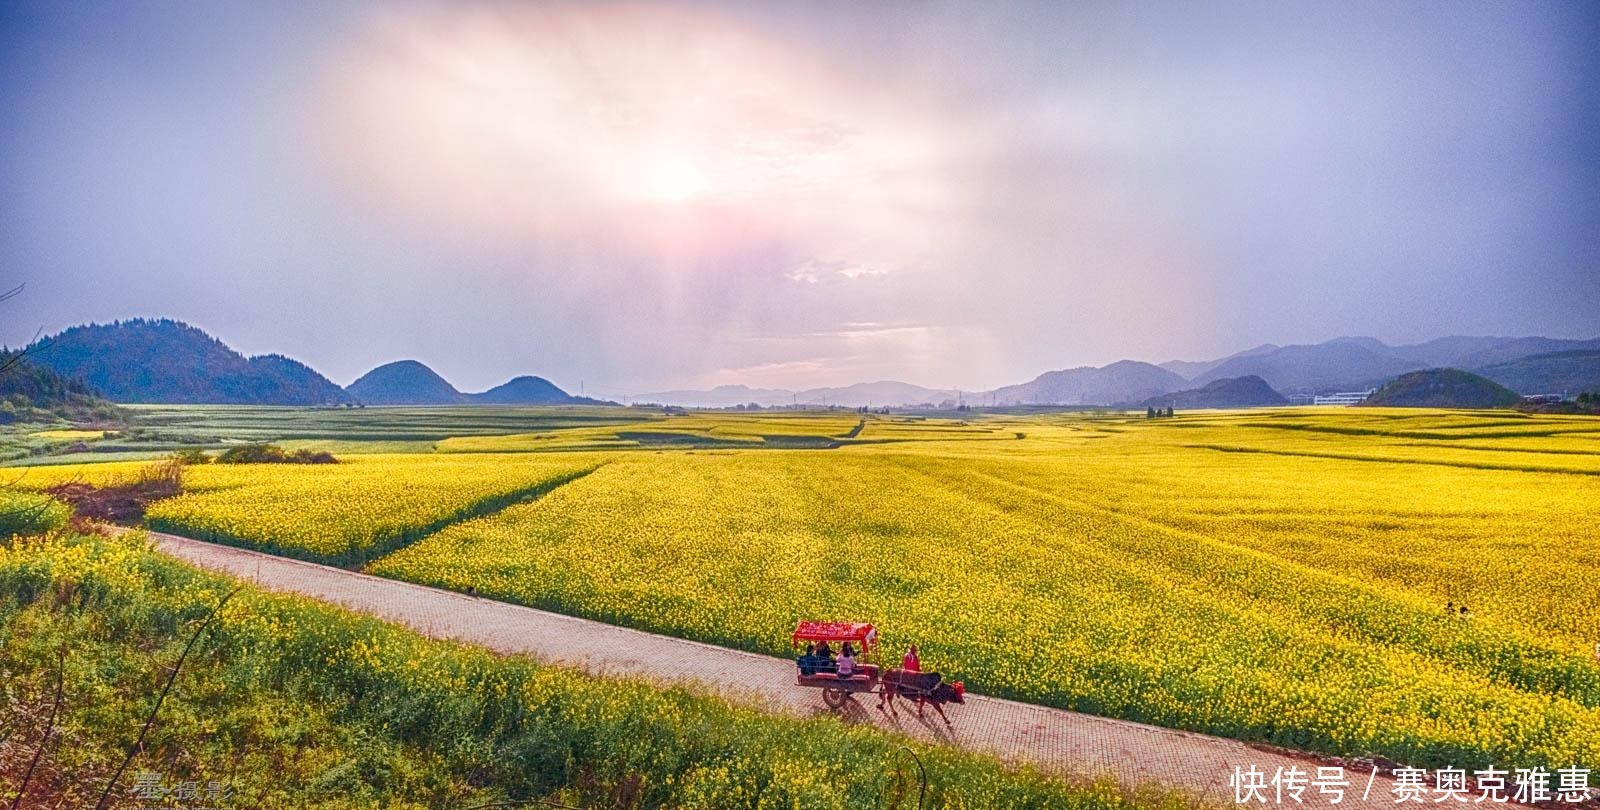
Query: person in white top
{"x": 847, "y": 661}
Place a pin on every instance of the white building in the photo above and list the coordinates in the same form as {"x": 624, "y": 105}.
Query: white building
{"x": 1343, "y": 398}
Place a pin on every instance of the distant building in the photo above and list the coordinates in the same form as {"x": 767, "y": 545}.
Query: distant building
{"x": 1542, "y": 399}
{"x": 1343, "y": 398}
{"x": 1301, "y": 399}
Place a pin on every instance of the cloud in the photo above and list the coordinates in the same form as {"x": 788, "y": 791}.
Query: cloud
{"x": 566, "y": 125}
{"x": 643, "y": 194}
{"x": 811, "y": 271}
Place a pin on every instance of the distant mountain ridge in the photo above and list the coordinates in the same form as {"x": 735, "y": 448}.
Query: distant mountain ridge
{"x": 1190, "y": 369}
{"x": 166, "y": 361}
{"x": 1356, "y": 363}
{"x": 163, "y": 361}
{"x": 722, "y": 396}
{"x": 1565, "y": 372}
{"x": 884, "y": 393}
{"x": 1121, "y": 382}
{"x": 1231, "y": 392}
{"x": 1341, "y": 364}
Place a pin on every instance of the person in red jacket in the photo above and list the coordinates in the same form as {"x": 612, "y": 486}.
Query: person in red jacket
{"x": 910, "y": 662}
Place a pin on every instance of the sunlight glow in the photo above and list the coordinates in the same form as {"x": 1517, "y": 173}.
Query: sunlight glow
{"x": 557, "y": 126}
{"x": 676, "y": 181}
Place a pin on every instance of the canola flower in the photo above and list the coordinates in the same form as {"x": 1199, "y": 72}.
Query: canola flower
{"x": 293, "y": 694}
{"x": 351, "y": 511}
{"x": 733, "y": 429}
{"x": 1270, "y": 575}
{"x": 1139, "y": 574}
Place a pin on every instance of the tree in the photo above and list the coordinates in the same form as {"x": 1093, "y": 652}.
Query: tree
{"x": 12, "y": 359}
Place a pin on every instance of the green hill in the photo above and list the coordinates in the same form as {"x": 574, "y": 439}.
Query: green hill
{"x": 1233, "y": 392}
{"x": 1442, "y": 388}
{"x": 525, "y": 391}
{"x": 408, "y": 382}
{"x": 170, "y": 362}
{"x": 404, "y": 382}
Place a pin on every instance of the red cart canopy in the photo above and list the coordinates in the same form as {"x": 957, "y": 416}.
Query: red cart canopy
{"x": 859, "y": 632}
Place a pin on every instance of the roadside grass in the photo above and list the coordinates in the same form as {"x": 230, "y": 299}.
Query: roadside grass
{"x": 290, "y": 703}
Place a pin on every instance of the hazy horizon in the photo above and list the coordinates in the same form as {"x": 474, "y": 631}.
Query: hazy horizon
{"x": 659, "y": 196}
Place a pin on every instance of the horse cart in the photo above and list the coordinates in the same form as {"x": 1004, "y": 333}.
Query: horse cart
{"x": 836, "y": 688}
{"x": 869, "y": 676}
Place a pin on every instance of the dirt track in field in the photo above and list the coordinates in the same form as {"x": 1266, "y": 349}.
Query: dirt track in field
{"x": 1052, "y": 740}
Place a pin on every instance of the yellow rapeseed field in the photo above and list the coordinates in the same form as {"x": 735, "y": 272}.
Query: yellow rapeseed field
{"x": 1274, "y": 575}
{"x": 350, "y": 511}
{"x": 1153, "y": 570}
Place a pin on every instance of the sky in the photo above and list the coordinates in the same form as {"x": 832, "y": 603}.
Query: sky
{"x": 634, "y": 197}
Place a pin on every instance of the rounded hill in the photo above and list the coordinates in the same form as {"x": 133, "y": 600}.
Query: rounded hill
{"x": 524, "y": 390}
{"x": 1442, "y": 388}
{"x": 404, "y": 382}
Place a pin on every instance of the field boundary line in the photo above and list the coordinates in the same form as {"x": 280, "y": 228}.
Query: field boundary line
{"x": 358, "y": 559}
{"x": 1460, "y": 465}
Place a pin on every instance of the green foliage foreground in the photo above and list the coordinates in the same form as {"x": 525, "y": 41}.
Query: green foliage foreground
{"x": 30, "y": 513}
{"x": 288, "y": 702}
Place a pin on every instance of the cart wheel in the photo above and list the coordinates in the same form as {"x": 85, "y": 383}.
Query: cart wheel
{"x": 834, "y": 697}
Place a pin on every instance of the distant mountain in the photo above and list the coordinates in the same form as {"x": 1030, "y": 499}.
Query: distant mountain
{"x": 1190, "y": 369}
{"x": 1234, "y": 392}
{"x": 1120, "y": 382}
{"x": 722, "y": 396}
{"x": 885, "y": 393}
{"x": 1352, "y": 363}
{"x": 1448, "y": 352}
{"x": 1569, "y": 372}
{"x": 1442, "y": 388}
{"x": 404, "y": 382}
{"x": 1510, "y": 349}
{"x": 1345, "y": 363}
{"x": 166, "y": 361}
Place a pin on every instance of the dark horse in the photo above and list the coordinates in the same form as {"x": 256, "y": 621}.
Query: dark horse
{"x": 921, "y": 687}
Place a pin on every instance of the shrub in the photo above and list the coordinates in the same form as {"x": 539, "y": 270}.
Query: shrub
{"x": 191, "y": 455}
{"x": 23, "y": 513}
{"x": 273, "y": 454}
{"x": 122, "y": 499}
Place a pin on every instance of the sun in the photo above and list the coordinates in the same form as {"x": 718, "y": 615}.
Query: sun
{"x": 676, "y": 181}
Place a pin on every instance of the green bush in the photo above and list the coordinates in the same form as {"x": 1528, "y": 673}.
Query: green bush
{"x": 273, "y": 454}
{"x": 191, "y": 456}
{"x": 23, "y": 513}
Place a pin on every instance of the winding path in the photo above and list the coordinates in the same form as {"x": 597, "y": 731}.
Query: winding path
{"x": 1053, "y": 740}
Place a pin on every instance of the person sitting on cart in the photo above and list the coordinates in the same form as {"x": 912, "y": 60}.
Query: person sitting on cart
{"x": 846, "y": 665}
{"x": 808, "y": 660}
{"x": 825, "y": 658}
{"x": 911, "y": 662}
